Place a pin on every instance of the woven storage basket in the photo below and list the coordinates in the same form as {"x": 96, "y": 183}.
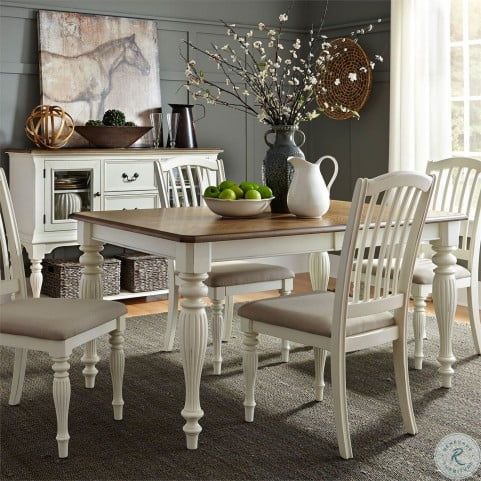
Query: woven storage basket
{"x": 62, "y": 278}
{"x": 143, "y": 272}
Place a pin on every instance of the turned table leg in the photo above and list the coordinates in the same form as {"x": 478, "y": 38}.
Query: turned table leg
{"x": 193, "y": 321}
{"x": 90, "y": 288}
{"x": 445, "y": 301}
{"x": 319, "y": 270}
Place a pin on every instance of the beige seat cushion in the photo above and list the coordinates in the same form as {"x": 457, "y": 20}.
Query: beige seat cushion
{"x": 310, "y": 313}
{"x": 56, "y": 319}
{"x": 424, "y": 272}
{"x": 246, "y": 273}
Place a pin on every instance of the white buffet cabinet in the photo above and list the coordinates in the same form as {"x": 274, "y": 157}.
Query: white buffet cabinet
{"x": 42, "y": 182}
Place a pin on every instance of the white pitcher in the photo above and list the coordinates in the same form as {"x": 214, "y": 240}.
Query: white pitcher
{"x": 308, "y": 194}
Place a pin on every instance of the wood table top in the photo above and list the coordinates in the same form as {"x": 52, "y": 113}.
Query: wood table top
{"x": 199, "y": 224}
{"x": 126, "y": 150}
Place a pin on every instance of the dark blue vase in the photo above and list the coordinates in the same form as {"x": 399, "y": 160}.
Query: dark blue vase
{"x": 277, "y": 172}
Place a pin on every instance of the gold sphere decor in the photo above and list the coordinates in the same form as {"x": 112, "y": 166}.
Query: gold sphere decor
{"x": 49, "y": 126}
{"x": 345, "y": 81}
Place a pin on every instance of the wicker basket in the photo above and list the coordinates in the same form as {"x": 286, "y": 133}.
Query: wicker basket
{"x": 62, "y": 278}
{"x": 143, "y": 272}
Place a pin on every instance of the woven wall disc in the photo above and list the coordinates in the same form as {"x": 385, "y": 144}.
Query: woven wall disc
{"x": 335, "y": 86}
{"x": 49, "y": 126}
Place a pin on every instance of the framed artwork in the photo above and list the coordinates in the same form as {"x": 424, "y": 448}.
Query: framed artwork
{"x": 93, "y": 63}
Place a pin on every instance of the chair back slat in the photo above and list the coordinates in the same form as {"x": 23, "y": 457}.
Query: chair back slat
{"x": 388, "y": 211}
{"x": 183, "y": 181}
{"x": 458, "y": 189}
{"x": 12, "y": 273}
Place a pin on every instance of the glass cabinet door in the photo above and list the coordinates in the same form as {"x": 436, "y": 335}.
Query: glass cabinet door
{"x": 70, "y": 187}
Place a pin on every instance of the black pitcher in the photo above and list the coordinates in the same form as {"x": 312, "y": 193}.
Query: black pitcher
{"x": 185, "y": 137}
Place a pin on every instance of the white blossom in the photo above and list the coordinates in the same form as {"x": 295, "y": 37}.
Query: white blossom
{"x": 261, "y": 26}
{"x": 379, "y": 58}
{"x": 337, "y": 81}
{"x": 352, "y": 76}
{"x": 283, "y": 17}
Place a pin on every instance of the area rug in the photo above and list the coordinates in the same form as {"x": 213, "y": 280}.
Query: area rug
{"x": 292, "y": 438}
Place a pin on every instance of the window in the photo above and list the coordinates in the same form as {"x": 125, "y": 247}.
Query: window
{"x": 466, "y": 76}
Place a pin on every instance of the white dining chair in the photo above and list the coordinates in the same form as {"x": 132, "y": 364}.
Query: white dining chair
{"x": 458, "y": 189}
{"x": 388, "y": 211}
{"x": 55, "y": 326}
{"x": 181, "y": 183}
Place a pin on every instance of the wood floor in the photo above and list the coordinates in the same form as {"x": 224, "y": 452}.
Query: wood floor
{"x": 145, "y": 306}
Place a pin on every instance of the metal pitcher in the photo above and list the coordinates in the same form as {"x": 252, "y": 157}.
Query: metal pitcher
{"x": 185, "y": 137}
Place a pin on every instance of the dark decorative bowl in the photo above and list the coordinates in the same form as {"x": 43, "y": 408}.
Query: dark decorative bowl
{"x": 111, "y": 137}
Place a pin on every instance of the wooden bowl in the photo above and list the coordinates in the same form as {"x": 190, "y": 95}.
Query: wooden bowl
{"x": 111, "y": 137}
{"x": 239, "y": 207}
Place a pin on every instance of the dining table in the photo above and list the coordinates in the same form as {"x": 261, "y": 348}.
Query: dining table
{"x": 195, "y": 238}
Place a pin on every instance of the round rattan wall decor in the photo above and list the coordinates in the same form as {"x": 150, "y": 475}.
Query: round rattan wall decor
{"x": 345, "y": 81}
{"x": 49, "y": 126}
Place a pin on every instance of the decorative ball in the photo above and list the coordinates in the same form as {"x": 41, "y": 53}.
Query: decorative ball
{"x": 114, "y": 118}
{"x": 94, "y": 123}
{"x": 49, "y": 126}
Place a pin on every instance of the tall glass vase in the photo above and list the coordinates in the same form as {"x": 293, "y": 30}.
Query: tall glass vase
{"x": 277, "y": 172}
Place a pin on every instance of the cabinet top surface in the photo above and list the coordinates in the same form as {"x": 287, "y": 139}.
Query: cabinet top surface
{"x": 199, "y": 224}
{"x": 128, "y": 151}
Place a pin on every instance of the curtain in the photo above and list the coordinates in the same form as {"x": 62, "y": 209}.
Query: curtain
{"x": 420, "y": 84}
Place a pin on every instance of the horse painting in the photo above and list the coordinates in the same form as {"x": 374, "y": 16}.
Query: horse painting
{"x": 88, "y": 76}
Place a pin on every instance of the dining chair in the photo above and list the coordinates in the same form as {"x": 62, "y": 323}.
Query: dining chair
{"x": 387, "y": 211}
{"x": 458, "y": 189}
{"x": 181, "y": 183}
{"x": 55, "y": 326}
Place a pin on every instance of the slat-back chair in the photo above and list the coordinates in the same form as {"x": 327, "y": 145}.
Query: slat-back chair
{"x": 458, "y": 189}
{"x": 56, "y": 326}
{"x": 181, "y": 183}
{"x": 388, "y": 211}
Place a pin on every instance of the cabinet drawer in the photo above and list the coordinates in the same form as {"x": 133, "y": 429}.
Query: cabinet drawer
{"x": 120, "y": 202}
{"x": 126, "y": 176}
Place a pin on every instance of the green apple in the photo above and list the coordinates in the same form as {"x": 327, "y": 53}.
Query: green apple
{"x": 245, "y": 186}
{"x": 265, "y": 191}
{"x": 239, "y": 193}
{"x": 227, "y": 184}
{"x": 253, "y": 195}
{"x": 227, "y": 194}
{"x": 211, "y": 191}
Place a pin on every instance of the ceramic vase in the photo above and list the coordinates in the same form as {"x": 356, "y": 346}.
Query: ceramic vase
{"x": 277, "y": 172}
{"x": 66, "y": 204}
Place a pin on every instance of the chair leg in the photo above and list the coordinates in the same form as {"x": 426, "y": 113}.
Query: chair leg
{"x": 402, "y": 384}
{"x": 319, "y": 365}
{"x": 172, "y": 317}
{"x": 419, "y": 325}
{"x": 250, "y": 362}
{"x": 117, "y": 366}
{"x": 217, "y": 328}
{"x": 228, "y": 318}
{"x": 18, "y": 376}
{"x": 285, "y": 345}
{"x": 61, "y": 399}
{"x": 338, "y": 375}
{"x": 474, "y": 318}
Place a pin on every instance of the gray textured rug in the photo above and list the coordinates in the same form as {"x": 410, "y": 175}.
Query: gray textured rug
{"x": 292, "y": 436}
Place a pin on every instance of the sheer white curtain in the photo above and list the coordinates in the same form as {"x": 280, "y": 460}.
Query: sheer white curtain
{"x": 420, "y": 108}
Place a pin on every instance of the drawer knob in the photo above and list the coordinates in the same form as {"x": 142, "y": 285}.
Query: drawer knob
{"x": 130, "y": 179}
{"x": 97, "y": 194}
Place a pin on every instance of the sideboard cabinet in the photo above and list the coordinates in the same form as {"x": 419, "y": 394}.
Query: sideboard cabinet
{"x": 47, "y": 185}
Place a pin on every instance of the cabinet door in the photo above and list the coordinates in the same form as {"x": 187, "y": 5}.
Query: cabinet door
{"x": 70, "y": 186}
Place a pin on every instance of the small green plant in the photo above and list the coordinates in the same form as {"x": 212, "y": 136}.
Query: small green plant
{"x": 130, "y": 124}
{"x": 94, "y": 123}
{"x": 114, "y": 118}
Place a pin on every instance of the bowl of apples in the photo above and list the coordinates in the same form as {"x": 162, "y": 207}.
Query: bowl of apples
{"x": 229, "y": 199}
